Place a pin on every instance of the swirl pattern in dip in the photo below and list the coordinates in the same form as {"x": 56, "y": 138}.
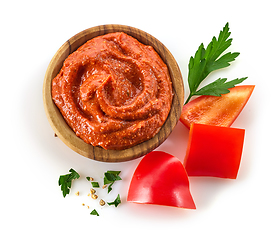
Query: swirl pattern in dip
{"x": 114, "y": 91}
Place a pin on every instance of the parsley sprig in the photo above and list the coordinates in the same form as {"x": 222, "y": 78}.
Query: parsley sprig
{"x": 209, "y": 59}
{"x": 66, "y": 180}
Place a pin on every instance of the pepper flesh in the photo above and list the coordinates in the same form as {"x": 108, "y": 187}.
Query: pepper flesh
{"x": 217, "y": 111}
{"x": 161, "y": 179}
{"x": 214, "y": 151}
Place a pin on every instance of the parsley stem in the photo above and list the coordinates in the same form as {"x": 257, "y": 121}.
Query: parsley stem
{"x": 190, "y": 95}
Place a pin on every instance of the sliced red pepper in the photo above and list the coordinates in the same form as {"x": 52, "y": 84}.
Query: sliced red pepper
{"x": 217, "y": 111}
{"x": 214, "y": 151}
{"x": 161, "y": 179}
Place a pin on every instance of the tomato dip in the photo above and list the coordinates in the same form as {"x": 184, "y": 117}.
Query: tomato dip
{"x": 114, "y": 91}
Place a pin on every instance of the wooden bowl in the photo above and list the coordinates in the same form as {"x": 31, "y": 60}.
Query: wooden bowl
{"x": 66, "y": 134}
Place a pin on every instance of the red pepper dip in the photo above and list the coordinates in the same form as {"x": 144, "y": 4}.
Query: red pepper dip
{"x": 114, "y": 91}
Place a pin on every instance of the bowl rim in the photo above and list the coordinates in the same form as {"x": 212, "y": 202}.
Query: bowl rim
{"x": 67, "y": 135}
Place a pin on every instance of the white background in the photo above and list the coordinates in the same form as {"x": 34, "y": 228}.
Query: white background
{"x": 32, "y": 205}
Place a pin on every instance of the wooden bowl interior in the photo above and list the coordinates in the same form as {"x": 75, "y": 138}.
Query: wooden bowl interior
{"x": 66, "y": 134}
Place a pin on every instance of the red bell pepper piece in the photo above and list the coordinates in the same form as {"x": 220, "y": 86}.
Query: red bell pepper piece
{"x": 217, "y": 111}
{"x": 161, "y": 179}
{"x": 214, "y": 151}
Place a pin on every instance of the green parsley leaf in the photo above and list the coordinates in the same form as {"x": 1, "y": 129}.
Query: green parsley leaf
{"x": 65, "y": 181}
{"x": 110, "y": 187}
{"x": 111, "y": 177}
{"x": 116, "y": 202}
{"x": 218, "y": 87}
{"x": 209, "y": 59}
{"x": 95, "y": 184}
{"x": 94, "y": 212}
